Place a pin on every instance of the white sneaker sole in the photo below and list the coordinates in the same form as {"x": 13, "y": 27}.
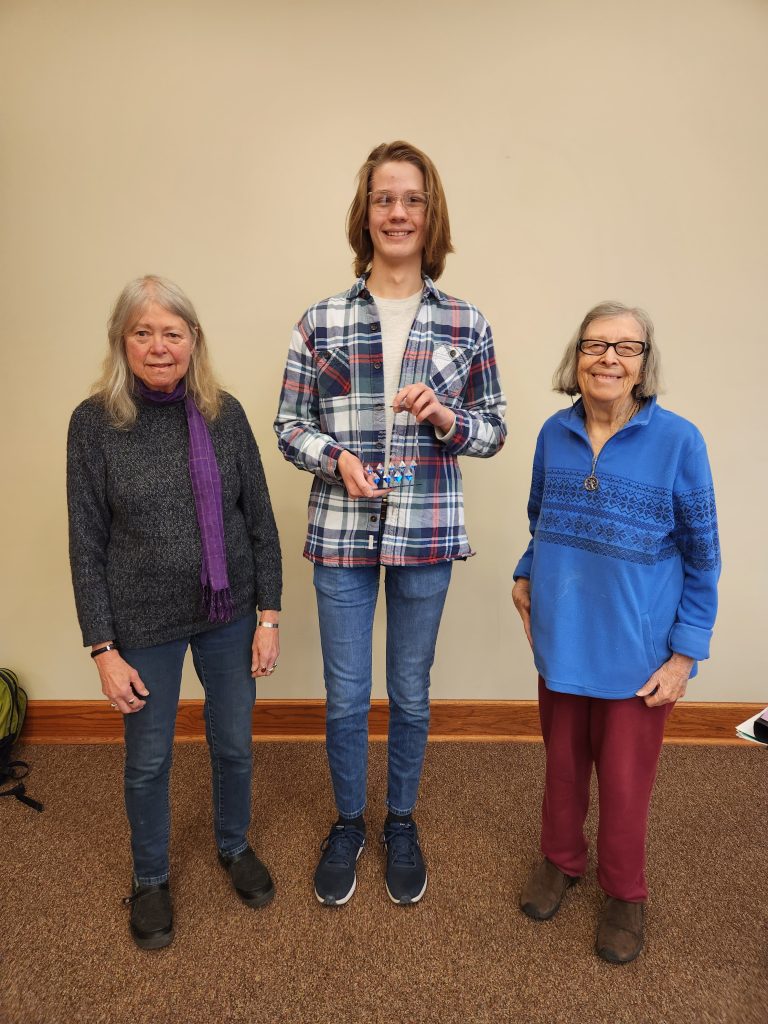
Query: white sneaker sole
{"x": 407, "y": 903}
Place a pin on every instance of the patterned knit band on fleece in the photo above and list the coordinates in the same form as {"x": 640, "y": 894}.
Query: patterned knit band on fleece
{"x": 206, "y": 487}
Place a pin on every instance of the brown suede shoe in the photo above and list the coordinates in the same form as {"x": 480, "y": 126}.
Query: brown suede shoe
{"x": 544, "y": 891}
{"x": 620, "y": 931}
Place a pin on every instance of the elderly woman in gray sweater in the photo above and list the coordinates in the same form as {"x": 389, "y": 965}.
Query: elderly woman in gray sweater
{"x": 173, "y": 545}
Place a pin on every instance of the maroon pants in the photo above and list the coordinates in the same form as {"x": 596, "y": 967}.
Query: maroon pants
{"x": 622, "y": 738}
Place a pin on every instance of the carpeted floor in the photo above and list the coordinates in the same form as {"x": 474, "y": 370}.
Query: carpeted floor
{"x": 465, "y": 954}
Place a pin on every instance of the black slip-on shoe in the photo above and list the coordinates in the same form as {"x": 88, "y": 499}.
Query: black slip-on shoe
{"x": 250, "y": 878}
{"x": 151, "y": 915}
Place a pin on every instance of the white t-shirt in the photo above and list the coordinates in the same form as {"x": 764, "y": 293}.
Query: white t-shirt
{"x": 396, "y": 317}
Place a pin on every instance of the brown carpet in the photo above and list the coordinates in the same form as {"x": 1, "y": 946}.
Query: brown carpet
{"x": 466, "y": 953}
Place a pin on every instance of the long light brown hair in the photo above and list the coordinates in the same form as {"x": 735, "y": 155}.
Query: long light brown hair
{"x": 437, "y": 235}
{"x": 115, "y": 387}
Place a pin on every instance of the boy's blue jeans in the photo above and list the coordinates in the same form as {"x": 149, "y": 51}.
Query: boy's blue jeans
{"x": 346, "y": 601}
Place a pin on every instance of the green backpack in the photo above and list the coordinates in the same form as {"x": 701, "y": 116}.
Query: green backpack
{"x": 13, "y": 704}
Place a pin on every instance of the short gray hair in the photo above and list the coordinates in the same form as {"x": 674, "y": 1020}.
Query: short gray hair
{"x": 565, "y": 379}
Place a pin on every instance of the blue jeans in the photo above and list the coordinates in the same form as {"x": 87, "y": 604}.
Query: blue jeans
{"x": 222, "y": 659}
{"x": 346, "y": 602}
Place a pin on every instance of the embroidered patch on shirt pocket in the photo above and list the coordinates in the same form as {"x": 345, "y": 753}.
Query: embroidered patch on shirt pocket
{"x": 450, "y": 369}
{"x": 333, "y": 374}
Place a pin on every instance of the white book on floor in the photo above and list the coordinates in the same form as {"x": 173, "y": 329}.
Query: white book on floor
{"x": 747, "y": 729}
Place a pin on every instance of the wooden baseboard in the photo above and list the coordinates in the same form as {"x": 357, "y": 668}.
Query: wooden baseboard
{"x": 93, "y": 721}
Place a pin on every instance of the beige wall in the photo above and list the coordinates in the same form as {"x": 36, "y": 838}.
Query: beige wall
{"x": 589, "y": 150}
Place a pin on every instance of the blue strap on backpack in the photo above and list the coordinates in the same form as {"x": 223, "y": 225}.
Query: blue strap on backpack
{"x": 13, "y": 705}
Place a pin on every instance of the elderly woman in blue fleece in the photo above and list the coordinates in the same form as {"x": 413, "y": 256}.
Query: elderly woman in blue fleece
{"x": 617, "y": 591}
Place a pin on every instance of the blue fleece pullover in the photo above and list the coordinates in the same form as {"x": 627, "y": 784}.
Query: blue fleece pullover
{"x": 624, "y": 575}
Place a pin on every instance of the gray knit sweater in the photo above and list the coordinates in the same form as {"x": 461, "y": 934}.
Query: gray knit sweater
{"x": 134, "y": 542}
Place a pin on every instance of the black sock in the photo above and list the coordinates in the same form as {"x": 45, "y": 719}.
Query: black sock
{"x": 358, "y": 822}
{"x": 398, "y": 819}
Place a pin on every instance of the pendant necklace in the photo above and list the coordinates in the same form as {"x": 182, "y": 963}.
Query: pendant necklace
{"x": 591, "y": 483}
{"x": 398, "y": 471}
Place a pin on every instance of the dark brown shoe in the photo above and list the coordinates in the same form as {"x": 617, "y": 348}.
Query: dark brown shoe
{"x": 543, "y": 892}
{"x": 620, "y": 931}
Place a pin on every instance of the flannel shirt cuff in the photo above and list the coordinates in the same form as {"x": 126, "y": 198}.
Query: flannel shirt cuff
{"x": 462, "y": 431}
{"x": 329, "y": 460}
{"x": 448, "y": 435}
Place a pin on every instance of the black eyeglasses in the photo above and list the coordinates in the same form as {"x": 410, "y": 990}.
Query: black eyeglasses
{"x": 591, "y": 347}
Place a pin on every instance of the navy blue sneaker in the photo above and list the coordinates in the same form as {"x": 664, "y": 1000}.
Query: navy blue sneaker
{"x": 406, "y": 870}
{"x": 335, "y": 877}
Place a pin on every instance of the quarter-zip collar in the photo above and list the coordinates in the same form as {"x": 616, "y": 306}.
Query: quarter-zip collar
{"x": 575, "y": 419}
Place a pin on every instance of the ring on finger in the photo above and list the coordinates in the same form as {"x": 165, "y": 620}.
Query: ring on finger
{"x": 113, "y": 705}
{"x": 131, "y": 700}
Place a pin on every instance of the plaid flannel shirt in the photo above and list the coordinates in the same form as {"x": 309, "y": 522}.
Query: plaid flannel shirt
{"x": 333, "y": 399}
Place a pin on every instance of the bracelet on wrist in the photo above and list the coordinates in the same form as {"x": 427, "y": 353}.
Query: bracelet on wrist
{"x": 270, "y": 625}
{"x": 103, "y": 650}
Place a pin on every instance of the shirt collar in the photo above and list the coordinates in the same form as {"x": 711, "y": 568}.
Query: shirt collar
{"x": 360, "y": 290}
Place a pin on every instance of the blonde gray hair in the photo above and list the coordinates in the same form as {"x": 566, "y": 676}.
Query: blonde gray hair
{"x": 115, "y": 387}
{"x": 565, "y": 379}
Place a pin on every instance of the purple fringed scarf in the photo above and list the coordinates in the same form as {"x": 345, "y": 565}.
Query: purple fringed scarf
{"x": 206, "y": 487}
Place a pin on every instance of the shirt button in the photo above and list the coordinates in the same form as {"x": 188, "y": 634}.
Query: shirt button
{"x": 377, "y": 366}
{"x": 374, "y": 326}
{"x": 453, "y": 353}
{"x": 374, "y": 519}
